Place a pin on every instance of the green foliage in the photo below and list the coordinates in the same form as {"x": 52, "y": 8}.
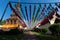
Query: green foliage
{"x": 11, "y": 32}
{"x": 2, "y": 22}
{"x": 48, "y": 37}
{"x": 41, "y": 30}
{"x": 55, "y": 29}
{"x": 36, "y": 29}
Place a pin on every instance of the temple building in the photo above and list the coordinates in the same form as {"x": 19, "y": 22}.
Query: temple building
{"x": 52, "y": 18}
{"x": 14, "y": 21}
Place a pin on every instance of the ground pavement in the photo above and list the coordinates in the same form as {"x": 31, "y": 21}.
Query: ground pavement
{"x": 29, "y": 36}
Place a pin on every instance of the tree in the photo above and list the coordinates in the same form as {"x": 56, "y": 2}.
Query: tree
{"x": 2, "y": 22}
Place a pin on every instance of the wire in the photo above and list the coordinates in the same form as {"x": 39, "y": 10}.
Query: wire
{"x": 34, "y": 3}
{"x": 4, "y": 12}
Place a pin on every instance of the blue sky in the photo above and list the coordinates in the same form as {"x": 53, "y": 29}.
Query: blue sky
{"x": 8, "y": 12}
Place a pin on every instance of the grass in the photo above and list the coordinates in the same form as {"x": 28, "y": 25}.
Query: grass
{"x": 20, "y": 35}
{"x": 46, "y": 36}
{"x": 36, "y": 33}
{"x": 11, "y": 37}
